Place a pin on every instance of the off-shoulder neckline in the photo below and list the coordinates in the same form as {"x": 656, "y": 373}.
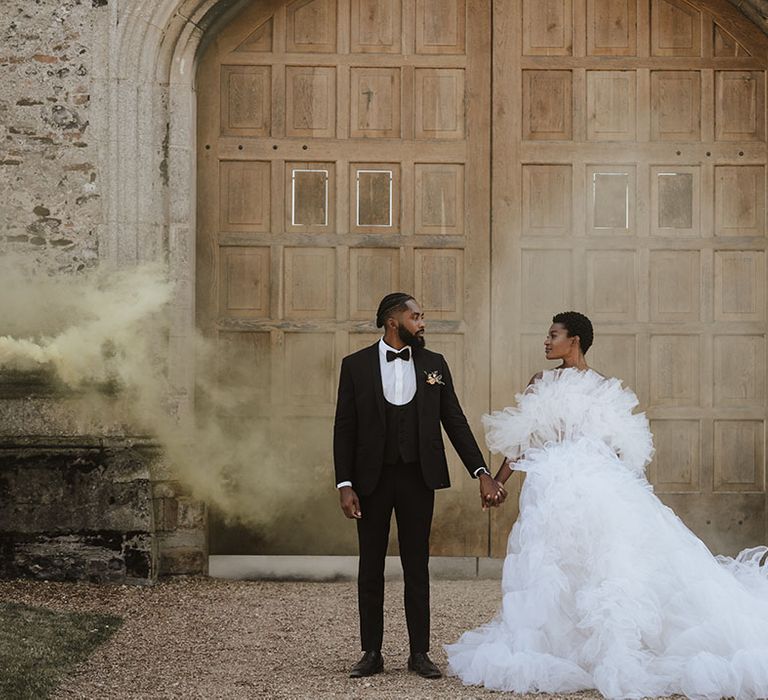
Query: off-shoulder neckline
{"x": 560, "y": 370}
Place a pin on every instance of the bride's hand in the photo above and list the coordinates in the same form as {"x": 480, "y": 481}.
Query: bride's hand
{"x": 501, "y": 494}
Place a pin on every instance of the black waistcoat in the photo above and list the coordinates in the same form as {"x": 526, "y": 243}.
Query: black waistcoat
{"x": 402, "y": 441}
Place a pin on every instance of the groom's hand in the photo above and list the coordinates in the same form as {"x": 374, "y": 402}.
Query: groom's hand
{"x": 350, "y": 503}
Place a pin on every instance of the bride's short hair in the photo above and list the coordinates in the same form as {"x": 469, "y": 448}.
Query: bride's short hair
{"x": 577, "y": 324}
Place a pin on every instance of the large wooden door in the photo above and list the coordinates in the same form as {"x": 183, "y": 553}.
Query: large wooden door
{"x": 343, "y": 154}
{"x": 629, "y": 182}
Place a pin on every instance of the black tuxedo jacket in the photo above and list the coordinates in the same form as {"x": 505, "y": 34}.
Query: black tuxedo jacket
{"x": 359, "y": 429}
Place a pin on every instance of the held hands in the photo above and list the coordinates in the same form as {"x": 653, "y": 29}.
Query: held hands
{"x": 350, "y": 503}
{"x": 492, "y": 495}
{"x": 492, "y": 492}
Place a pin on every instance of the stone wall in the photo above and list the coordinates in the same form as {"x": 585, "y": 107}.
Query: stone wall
{"x": 81, "y": 495}
{"x": 180, "y": 529}
{"x": 72, "y": 512}
{"x": 50, "y": 185}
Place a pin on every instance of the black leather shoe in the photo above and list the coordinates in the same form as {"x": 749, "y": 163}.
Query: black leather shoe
{"x": 371, "y": 663}
{"x": 420, "y": 663}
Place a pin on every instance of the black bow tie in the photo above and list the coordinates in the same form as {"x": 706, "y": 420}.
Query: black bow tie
{"x": 404, "y": 354}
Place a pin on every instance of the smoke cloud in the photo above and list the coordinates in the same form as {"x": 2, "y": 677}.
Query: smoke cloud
{"x": 105, "y": 334}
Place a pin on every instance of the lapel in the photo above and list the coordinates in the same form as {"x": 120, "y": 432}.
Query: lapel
{"x": 418, "y": 365}
{"x": 375, "y": 370}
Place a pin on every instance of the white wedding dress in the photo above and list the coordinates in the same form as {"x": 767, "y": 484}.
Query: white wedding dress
{"x": 604, "y": 586}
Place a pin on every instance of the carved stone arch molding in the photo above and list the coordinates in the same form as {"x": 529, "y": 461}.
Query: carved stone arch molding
{"x": 756, "y": 10}
{"x": 146, "y": 111}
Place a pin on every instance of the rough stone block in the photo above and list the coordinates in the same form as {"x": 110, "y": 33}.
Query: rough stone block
{"x": 97, "y": 556}
{"x": 74, "y": 489}
{"x": 165, "y": 489}
{"x": 183, "y": 538}
{"x": 183, "y": 560}
{"x": 71, "y": 512}
{"x": 191, "y": 514}
{"x": 166, "y": 513}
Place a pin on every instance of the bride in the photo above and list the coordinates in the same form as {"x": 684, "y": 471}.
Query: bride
{"x": 604, "y": 586}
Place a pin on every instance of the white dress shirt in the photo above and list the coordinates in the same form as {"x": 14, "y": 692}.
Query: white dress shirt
{"x": 398, "y": 379}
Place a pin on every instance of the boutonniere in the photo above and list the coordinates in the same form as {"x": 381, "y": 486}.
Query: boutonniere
{"x": 434, "y": 378}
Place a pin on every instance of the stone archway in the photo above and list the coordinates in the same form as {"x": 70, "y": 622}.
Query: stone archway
{"x": 145, "y": 111}
{"x": 146, "y": 89}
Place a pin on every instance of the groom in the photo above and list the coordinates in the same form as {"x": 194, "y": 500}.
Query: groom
{"x": 389, "y": 455}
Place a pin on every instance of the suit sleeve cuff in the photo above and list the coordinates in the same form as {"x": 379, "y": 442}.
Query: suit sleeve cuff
{"x": 343, "y": 483}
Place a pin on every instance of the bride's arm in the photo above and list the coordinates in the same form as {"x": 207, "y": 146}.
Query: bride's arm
{"x": 505, "y": 470}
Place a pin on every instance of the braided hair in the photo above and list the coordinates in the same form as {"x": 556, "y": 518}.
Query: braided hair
{"x": 576, "y": 324}
{"x": 390, "y": 304}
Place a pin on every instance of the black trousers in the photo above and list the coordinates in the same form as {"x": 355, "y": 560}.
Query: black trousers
{"x": 401, "y": 488}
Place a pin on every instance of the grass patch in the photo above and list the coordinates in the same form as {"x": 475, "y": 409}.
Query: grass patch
{"x": 39, "y": 646}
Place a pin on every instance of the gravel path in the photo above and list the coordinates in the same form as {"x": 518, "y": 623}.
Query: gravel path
{"x": 206, "y": 638}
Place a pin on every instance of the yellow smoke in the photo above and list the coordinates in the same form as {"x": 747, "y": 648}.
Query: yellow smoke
{"x": 109, "y": 329}
{"x": 76, "y": 326}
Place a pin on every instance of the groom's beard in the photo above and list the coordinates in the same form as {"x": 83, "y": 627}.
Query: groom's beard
{"x": 416, "y": 342}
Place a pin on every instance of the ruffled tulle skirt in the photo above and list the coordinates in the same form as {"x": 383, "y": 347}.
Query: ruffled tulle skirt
{"x": 604, "y": 587}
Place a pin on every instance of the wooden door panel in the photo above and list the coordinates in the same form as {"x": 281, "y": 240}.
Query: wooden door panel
{"x": 547, "y": 27}
{"x": 439, "y": 103}
{"x": 675, "y": 105}
{"x": 740, "y": 105}
{"x": 246, "y": 100}
{"x": 547, "y": 200}
{"x": 616, "y": 356}
{"x": 675, "y": 28}
{"x": 375, "y": 102}
{"x": 439, "y": 282}
{"x": 675, "y": 201}
{"x": 611, "y": 27}
{"x": 739, "y": 285}
{"x": 339, "y": 146}
{"x": 310, "y": 106}
{"x": 376, "y": 26}
{"x": 244, "y": 196}
{"x": 740, "y": 200}
{"x": 611, "y": 105}
{"x": 547, "y": 105}
{"x": 439, "y": 201}
{"x": 611, "y": 285}
{"x": 311, "y": 26}
{"x": 440, "y": 26}
{"x": 677, "y": 466}
{"x": 636, "y": 192}
{"x": 739, "y": 384}
{"x": 244, "y": 281}
{"x": 725, "y": 45}
{"x": 373, "y": 272}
